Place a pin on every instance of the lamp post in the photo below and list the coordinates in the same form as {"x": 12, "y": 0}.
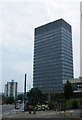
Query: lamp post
{"x": 24, "y": 97}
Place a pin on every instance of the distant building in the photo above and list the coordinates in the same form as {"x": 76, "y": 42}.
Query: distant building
{"x": 53, "y": 57}
{"x": 76, "y": 84}
{"x": 11, "y": 89}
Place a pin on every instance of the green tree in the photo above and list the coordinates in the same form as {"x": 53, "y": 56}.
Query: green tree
{"x": 3, "y": 99}
{"x": 34, "y": 96}
{"x": 68, "y": 91}
{"x": 56, "y": 96}
{"x": 20, "y": 97}
{"x": 10, "y": 100}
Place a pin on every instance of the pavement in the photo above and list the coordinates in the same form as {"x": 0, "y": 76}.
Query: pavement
{"x": 0, "y": 112}
{"x": 9, "y": 111}
{"x": 44, "y": 114}
{"x": 7, "y": 108}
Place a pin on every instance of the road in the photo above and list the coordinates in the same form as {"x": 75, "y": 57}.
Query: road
{"x": 8, "y": 111}
{"x": 0, "y": 111}
{"x": 45, "y": 114}
{"x": 7, "y": 108}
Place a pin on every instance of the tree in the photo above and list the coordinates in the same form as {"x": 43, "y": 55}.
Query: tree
{"x": 10, "y": 100}
{"x": 3, "y": 99}
{"x": 68, "y": 91}
{"x": 56, "y": 96}
{"x": 34, "y": 96}
{"x": 20, "y": 97}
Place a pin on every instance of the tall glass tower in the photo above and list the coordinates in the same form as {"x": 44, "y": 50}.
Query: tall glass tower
{"x": 53, "y": 58}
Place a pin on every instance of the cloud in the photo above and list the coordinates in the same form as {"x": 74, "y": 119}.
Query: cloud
{"x": 17, "y": 22}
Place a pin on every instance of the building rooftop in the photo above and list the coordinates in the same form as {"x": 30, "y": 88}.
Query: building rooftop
{"x": 52, "y": 25}
{"x": 76, "y": 80}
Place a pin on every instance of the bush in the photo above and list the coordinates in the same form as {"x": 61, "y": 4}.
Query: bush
{"x": 56, "y": 96}
{"x": 44, "y": 107}
{"x": 41, "y": 107}
{"x": 81, "y": 101}
{"x": 74, "y": 104}
{"x": 10, "y": 100}
{"x": 51, "y": 105}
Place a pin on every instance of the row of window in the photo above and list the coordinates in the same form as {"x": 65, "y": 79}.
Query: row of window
{"x": 54, "y": 36}
{"x": 54, "y": 31}
{"x": 50, "y": 60}
{"x": 48, "y": 39}
{"x": 66, "y": 32}
{"x": 53, "y": 67}
{"x": 53, "y": 48}
{"x": 54, "y": 42}
{"x": 48, "y": 44}
{"x": 54, "y": 64}
{"x": 51, "y": 54}
{"x": 52, "y": 76}
{"x": 66, "y": 36}
{"x": 51, "y": 89}
{"x": 46, "y": 75}
{"x": 65, "y": 44}
{"x": 52, "y": 71}
{"x": 50, "y": 84}
{"x": 48, "y": 33}
{"x": 53, "y": 79}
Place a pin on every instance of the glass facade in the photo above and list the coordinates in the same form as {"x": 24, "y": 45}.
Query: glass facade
{"x": 53, "y": 58}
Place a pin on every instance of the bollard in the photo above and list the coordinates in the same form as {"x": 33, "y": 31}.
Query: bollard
{"x": 71, "y": 116}
{"x": 64, "y": 114}
{"x": 29, "y": 111}
{"x": 56, "y": 110}
{"x": 80, "y": 118}
{"x": 34, "y": 112}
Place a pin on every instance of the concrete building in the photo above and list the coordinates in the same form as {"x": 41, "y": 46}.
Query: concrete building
{"x": 76, "y": 84}
{"x": 53, "y": 58}
{"x": 11, "y": 89}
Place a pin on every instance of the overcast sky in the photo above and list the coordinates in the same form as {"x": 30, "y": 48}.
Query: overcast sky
{"x": 17, "y": 23}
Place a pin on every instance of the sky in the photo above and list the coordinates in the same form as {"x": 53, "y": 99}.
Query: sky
{"x": 18, "y": 18}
